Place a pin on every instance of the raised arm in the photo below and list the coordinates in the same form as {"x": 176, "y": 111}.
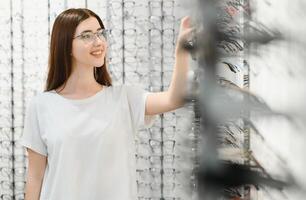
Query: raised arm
{"x": 160, "y": 102}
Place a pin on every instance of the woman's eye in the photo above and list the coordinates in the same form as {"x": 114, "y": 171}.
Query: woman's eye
{"x": 86, "y": 36}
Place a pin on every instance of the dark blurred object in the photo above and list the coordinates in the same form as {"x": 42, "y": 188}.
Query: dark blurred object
{"x": 221, "y": 34}
{"x": 235, "y": 175}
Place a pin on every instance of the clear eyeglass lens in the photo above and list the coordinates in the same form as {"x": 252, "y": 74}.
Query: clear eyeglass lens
{"x": 102, "y": 34}
{"x": 90, "y": 37}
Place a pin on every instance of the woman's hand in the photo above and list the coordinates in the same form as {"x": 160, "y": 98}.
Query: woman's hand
{"x": 185, "y": 35}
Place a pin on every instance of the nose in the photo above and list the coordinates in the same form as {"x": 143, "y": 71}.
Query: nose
{"x": 98, "y": 41}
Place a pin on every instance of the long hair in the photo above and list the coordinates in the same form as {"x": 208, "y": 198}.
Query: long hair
{"x": 60, "y": 63}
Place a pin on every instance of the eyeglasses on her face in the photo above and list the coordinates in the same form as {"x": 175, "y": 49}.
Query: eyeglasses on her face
{"x": 90, "y": 37}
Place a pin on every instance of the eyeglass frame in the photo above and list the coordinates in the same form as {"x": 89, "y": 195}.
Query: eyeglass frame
{"x": 104, "y": 31}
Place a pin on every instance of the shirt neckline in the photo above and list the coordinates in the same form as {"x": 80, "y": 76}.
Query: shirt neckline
{"x": 83, "y": 100}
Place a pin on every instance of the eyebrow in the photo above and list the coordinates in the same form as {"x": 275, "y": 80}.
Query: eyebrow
{"x": 86, "y": 31}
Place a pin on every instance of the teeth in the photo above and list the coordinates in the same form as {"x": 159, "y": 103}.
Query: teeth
{"x": 96, "y": 52}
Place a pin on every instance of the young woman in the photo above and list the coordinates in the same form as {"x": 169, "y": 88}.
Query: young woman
{"x": 79, "y": 132}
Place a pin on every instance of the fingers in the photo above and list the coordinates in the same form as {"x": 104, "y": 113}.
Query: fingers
{"x": 188, "y": 33}
{"x": 185, "y": 22}
{"x": 186, "y": 29}
{"x": 189, "y": 30}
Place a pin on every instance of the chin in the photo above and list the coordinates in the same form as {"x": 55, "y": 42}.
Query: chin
{"x": 98, "y": 64}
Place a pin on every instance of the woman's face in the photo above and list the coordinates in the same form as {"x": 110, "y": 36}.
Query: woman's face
{"x": 87, "y": 50}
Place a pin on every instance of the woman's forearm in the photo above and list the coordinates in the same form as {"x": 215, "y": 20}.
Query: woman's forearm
{"x": 178, "y": 85}
{"x": 33, "y": 188}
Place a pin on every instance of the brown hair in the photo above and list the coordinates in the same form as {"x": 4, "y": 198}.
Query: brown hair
{"x": 60, "y": 63}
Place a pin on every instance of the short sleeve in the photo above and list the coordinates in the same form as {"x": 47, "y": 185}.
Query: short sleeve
{"x": 31, "y": 136}
{"x": 137, "y": 102}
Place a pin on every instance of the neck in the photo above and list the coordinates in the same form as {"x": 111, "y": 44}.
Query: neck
{"x": 82, "y": 80}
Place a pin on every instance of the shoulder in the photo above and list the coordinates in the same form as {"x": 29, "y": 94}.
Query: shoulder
{"x": 124, "y": 88}
{"x": 43, "y": 96}
{"x": 40, "y": 99}
{"x": 114, "y": 92}
{"x": 133, "y": 88}
{"x": 114, "y": 89}
{"x": 127, "y": 91}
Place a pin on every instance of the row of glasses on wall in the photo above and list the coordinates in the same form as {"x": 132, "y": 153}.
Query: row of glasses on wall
{"x": 16, "y": 54}
{"x": 142, "y": 41}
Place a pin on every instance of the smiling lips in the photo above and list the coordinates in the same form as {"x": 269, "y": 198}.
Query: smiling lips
{"x": 96, "y": 53}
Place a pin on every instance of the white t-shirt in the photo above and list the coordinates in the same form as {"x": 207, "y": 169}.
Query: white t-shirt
{"x": 89, "y": 143}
